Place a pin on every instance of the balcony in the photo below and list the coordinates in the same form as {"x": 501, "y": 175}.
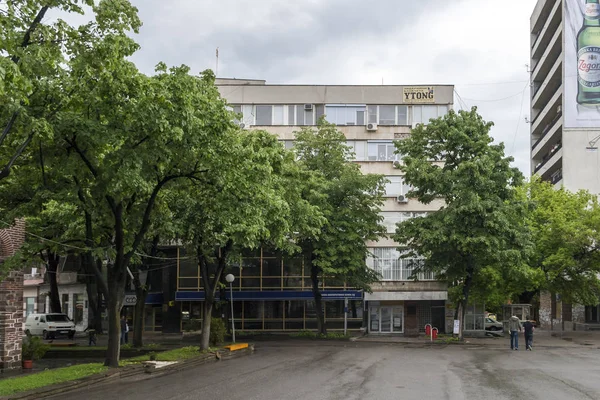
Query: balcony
{"x": 542, "y": 117}
{"x": 543, "y": 90}
{"x": 548, "y": 157}
{"x": 556, "y": 179}
{"x": 541, "y": 143}
{"x": 548, "y": 59}
{"x": 548, "y": 20}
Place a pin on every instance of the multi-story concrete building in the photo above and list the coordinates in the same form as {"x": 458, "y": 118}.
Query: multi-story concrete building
{"x": 274, "y": 292}
{"x": 565, "y": 118}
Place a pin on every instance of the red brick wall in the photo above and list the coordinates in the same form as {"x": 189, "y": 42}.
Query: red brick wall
{"x": 11, "y": 300}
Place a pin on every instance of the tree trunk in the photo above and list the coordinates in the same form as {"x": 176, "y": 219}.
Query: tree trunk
{"x": 115, "y": 301}
{"x": 464, "y": 303}
{"x": 314, "y": 277}
{"x": 52, "y": 271}
{"x": 206, "y": 320}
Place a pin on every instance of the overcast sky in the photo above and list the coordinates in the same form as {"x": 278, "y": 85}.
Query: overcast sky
{"x": 481, "y": 46}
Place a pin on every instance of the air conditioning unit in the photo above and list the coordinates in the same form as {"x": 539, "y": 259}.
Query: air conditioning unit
{"x": 372, "y": 127}
{"x": 402, "y": 199}
{"x": 308, "y": 107}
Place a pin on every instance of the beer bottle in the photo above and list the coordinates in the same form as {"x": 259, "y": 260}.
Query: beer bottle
{"x": 588, "y": 55}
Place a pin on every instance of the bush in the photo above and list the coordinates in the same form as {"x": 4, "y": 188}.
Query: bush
{"x": 152, "y": 356}
{"x": 313, "y": 335}
{"x": 34, "y": 348}
{"x": 217, "y": 331}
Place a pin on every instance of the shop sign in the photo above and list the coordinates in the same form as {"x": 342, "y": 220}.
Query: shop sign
{"x": 418, "y": 94}
{"x": 130, "y": 300}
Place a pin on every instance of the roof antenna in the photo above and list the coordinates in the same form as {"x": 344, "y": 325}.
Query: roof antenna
{"x": 217, "y": 68}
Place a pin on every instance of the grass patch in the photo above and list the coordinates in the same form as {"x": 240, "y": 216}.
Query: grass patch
{"x": 315, "y": 335}
{"x": 18, "y": 384}
{"x": 184, "y": 353}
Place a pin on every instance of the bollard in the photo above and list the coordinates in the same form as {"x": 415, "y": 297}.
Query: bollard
{"x": 434, "y": 333}
{"x": 428, "y": 329}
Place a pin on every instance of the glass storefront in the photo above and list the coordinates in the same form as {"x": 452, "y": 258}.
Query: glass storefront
{"x": 280, "y": 315}
{"x": 386, "y": 318}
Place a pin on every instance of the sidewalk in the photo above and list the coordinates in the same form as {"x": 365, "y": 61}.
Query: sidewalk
{"x": 541, "y": 339}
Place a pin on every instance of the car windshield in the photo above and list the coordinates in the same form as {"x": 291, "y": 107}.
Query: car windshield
{"x": 57, "y": 318}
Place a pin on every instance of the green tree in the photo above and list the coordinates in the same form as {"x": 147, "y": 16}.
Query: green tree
{"x": 250, "y": 199}
{"x": 42, "y": 62}
{"x": 135, "y": 136}
{"x": 479, "y": 233}
{"x": 565, "y": 229}
{"x": 350, "y": 202}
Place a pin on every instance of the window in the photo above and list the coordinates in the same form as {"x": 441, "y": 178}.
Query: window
{"x": 342, "y": 114}
{"x": 394, "y": 187}
{"x": 264, "y": 115}
{"x": 360, "y": 117}
{"x": 78, "y": 308}
{"x": 291, "y": 115}
{"x": 387, "y": 262}
{"x": 359, "y": 148}
{"x": 422, "y": 114}
{"x": 277, "y": 115}
{"x": 319, "y": 111}
{"x": 429, "y": 112}
{"x": 402, "y": 115}
{"x": 387, "y": 115}
{"x": 372, "y": 110}
{"x": 390, "y": 219}
{"x": 29, "y": 305}
{"x": 382, "y": 151}
{"x": 65, "y": 303}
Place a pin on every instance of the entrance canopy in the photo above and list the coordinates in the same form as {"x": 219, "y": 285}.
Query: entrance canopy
{"x": 406, "y": 296}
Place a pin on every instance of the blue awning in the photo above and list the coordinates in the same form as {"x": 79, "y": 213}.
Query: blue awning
{"x": 274, "y": 295}
{"x": 154, "y": 298}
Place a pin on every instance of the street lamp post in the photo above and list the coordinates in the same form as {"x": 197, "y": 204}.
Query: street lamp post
{"x": 230, "y": 278}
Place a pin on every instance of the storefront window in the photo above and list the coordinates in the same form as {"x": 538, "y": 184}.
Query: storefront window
{"x": 78, "y": 308}
{"x": 65, "y": 303}
{"x": 29, "y": 305}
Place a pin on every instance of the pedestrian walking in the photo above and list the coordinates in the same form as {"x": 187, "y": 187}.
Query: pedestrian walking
{"x": 514, "y": 327}
{"x": 91, "y": 335}
{"x": 528, "y": 329}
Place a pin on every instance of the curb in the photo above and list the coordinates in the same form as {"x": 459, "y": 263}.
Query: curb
{"x": 127, "y": 372}
{"x": 494, "y": 346}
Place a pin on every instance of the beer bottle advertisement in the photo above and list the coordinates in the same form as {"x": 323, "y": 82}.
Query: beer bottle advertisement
{"x": 582, "y": 65}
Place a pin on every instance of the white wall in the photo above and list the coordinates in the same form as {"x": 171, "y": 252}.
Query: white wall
{"x": 581, "y": 167}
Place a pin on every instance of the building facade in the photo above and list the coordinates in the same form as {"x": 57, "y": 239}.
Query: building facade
{"x": 272, "y": 292}
{"x": 565, "y": 119}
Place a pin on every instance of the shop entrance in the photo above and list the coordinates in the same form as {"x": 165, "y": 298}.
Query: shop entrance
{"x": 386, "y": 319}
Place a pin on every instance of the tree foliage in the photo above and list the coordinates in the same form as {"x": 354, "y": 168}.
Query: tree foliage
{"x": 44, "y": 60}
{"x": 350, "y": 202}
{"x": 565, "y": 229}
{"x": 477, "y": 241}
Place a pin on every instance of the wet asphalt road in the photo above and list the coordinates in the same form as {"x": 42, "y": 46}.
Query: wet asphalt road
{"x": 340, "y": 371}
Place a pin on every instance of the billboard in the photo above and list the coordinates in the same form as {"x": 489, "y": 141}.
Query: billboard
{"x": 582, "y": 64}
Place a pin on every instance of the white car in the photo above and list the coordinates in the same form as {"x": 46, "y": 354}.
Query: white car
{"x": 492, "y": 325}
{"x": 49, "y": 326}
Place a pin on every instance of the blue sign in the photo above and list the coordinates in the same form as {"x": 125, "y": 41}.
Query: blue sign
{"x": 274, "y": 295}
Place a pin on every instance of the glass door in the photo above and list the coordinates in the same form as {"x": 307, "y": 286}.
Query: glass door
{"x": 386, "y": 319}
{"x": 374, "y": 320}
{"x": 398, "y": 319}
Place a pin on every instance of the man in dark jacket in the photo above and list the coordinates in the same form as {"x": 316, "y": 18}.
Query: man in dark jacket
{"x": 528, "y": 327}
{"x": 123, "y": 330}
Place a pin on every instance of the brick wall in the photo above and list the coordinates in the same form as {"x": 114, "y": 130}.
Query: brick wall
{"x": 11, "y": 300}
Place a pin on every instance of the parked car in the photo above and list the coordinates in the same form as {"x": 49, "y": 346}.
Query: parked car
{"x": 49, "y": 326}
{"x": 492, "y": 325}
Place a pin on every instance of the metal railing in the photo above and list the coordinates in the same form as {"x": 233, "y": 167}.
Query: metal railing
{"x": 547, "y": 129}
{"x": 548, "y": 156}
